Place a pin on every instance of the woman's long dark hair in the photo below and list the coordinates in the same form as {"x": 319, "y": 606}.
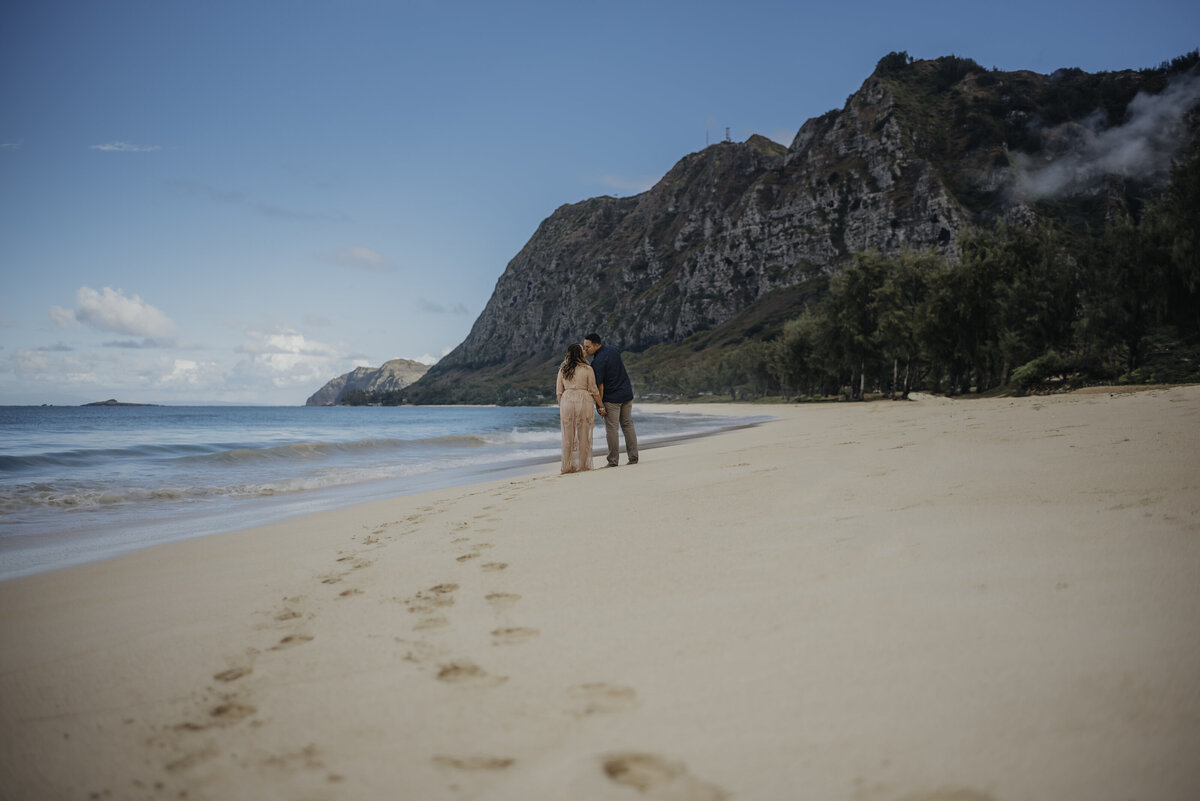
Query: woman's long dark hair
{"x": 573, "y": 360}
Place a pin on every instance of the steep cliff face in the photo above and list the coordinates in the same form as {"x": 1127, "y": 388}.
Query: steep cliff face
{"x": 917, "y": 154}
{"x": 393, "y": 376}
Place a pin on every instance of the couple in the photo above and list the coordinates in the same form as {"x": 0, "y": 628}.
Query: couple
{"x": 604, "y": 384}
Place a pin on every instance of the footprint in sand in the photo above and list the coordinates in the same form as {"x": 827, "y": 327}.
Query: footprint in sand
{"x": 501, "y": 600}
{"x": 426, "y": 601}
{"x": 464, "y": 671}
{"x": 231, "y": 712}
{"x": 226, "y": 713}
{"x": 307, "y": 757}
{"x": 288, "y": 611}
{"x": 192, "y": 759}
{"x": 492, "y": 567}
{"x": 467, "y": 557}
{"x": 291, "y": 641}
{"x": 513, "y": 635}
{"x": 659, "y": 778}
{"x": 598, "y": 698}
{"x": 233, "y": 674}
{"x": 419, "y": 652}
{"x": 350, "y": 593}
{"x": 474, "y": 762}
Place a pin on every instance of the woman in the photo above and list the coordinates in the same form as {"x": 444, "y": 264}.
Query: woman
{"x": 577, "y": 393}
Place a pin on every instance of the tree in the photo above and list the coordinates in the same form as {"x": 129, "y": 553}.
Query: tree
{"x": 850, "y": 315}
{"x": 1033, "y": 293}
{"x": 793, "y": 358}
{"x": 897, "y": 307}
{"x": 1175, "y": 222}
{"x": 1123, "y": 287}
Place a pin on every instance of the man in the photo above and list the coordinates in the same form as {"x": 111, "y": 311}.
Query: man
{"x": 616, "y": 390}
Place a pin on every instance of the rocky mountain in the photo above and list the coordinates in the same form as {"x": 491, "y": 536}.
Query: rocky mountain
{"x": 393, "y": 376}
{"x": 747, "y": 231}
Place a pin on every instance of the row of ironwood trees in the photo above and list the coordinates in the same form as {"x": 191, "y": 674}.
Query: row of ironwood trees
{"x": 1022, "y": 307}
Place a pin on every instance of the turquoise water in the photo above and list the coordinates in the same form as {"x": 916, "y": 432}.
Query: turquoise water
{"x": 82, "y": 483}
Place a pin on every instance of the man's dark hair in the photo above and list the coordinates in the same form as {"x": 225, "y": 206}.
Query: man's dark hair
{"x": 594, "y": 338}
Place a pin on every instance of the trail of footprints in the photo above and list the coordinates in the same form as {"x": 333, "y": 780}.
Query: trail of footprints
{"x": 226, "y": 705}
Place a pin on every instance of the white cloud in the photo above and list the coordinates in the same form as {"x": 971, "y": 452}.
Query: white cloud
{"x": 36, "y": 364}
{"x": 111, "y": 310}
{"x": 427, "y": 359}
{"x": 30, "y": 361}
{"x": 10, "y": 145}
{"x": 148, "y": 343}
{"x": 63, "y": 318}
{"x": 287, "y": 359}
{"x": 285, "y": 342}
{"x": 124, "y": 147}
{"x": 362, "y": 258}
{"x": 189, "y": 373}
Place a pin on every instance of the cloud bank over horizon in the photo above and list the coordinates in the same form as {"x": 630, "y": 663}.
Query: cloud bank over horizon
{"x": 261, "y": 363}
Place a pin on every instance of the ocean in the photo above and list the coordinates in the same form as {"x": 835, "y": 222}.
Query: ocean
{"x": 79, "y": 484}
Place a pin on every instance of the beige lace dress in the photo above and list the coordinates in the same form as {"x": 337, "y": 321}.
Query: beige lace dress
{"x": 577, "y": 400}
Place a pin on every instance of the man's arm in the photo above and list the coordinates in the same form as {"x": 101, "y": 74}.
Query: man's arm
{"x": 602, "y": 363}
{"x": 600, "y": 366}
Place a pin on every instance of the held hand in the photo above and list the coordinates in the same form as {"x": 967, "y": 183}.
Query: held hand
{"x": 602, "y": 411}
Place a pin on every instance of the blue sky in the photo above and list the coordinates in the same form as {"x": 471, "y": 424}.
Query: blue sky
{"x": 237, "y": 201}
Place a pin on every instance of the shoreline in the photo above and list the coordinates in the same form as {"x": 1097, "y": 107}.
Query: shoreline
{"x": 87, "y": 540}
{"x": 874, "y": 602}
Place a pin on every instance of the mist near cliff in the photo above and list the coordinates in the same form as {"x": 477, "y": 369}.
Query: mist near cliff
{"x": 1079, "y": 157}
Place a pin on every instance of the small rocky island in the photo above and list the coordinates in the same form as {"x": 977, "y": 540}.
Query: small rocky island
{"x": 115, "y": 402}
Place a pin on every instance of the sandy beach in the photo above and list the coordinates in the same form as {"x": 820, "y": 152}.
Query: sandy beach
{"x": 937, "y": 600}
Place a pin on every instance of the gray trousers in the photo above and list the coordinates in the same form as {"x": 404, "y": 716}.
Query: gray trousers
{"x": 620, "y": 414}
